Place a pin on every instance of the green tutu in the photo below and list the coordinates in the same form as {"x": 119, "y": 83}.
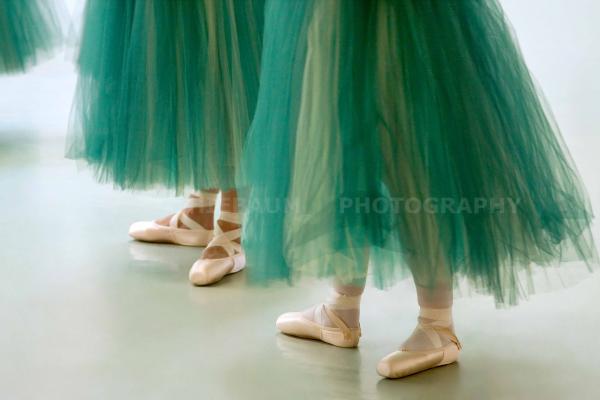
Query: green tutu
{"x": 29, "y": 31}
{"x": 409, "y": 132}
{"x": 167, "y": 91}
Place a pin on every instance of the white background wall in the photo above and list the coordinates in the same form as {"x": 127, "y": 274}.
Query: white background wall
{"x": 560, "y": 40}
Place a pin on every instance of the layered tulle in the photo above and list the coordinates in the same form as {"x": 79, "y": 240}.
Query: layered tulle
{"x": 29, "y": 31}
{"x": 409, "y": 132}
{"x": 167, "y": 91}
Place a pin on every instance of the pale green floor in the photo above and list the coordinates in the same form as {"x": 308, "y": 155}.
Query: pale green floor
{"x": 85, "y": 313}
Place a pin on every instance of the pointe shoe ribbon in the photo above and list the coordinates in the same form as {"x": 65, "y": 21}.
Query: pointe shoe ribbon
{"x": 407, "y": 362}
{"x": 206, "y": 271}
{"x": 296, "y": 324}
{"x": 337, "y": 321}
{"x": 194, "y": 235}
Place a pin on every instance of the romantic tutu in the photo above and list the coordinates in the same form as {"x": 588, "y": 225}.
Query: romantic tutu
{"x": 167, "y": 91}
{"x": 29, "y": 31}
{"x": 410, "y": 133}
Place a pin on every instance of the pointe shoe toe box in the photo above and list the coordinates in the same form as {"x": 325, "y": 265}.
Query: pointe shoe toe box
{"x": 295, "y": 324}
{"x": 150, "y": 231}
{"x": 403, "y": 363}
{"x": 140, "y": 230}
{"x": 292, "y": 323}
{"x": 208, "y": 271}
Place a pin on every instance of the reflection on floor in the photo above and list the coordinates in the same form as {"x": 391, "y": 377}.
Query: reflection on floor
{"x": 87, "y": 313}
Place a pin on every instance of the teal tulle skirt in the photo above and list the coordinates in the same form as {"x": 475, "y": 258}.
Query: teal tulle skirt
{"x": 167, "y": 90}
{"x": 409, "y": 133}
{"x": 29, "y": 31}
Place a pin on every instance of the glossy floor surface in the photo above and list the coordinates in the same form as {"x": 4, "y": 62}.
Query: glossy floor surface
{"x": 86, "y": 313}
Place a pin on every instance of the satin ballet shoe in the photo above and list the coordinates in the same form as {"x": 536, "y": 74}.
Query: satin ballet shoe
{"x": 208, "y": 271}
{"x": 194, "y": 235}
{"x": 296, "y": 324}
{"x": 407, "y": 362}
